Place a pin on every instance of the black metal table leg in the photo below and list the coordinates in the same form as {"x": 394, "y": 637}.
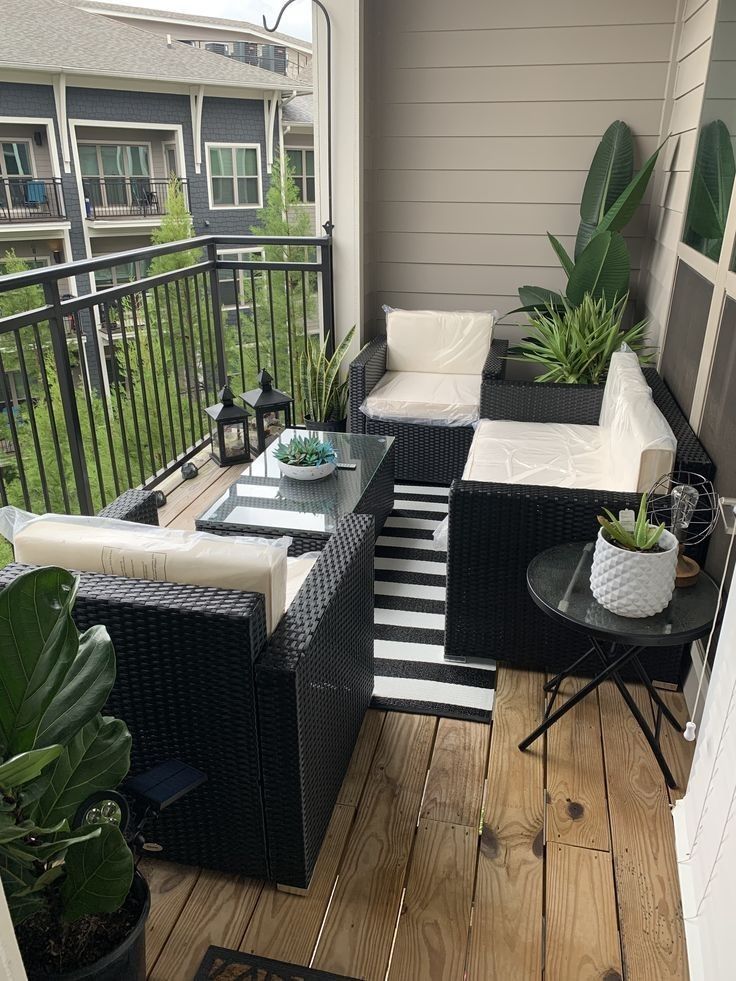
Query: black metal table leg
{"x": 555, "y": 682}
{"x": 655, "y": 696}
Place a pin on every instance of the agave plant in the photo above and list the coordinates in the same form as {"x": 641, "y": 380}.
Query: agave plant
{"x": 710, "y": 195}
{"x": 643, "y": 537}
{"x": 305, "y": 451}
{"x": 575, "y": 343}
{"x": 324, "y": 395}
{"x": 56, "y": 750}
{"x": 600, "y": 265}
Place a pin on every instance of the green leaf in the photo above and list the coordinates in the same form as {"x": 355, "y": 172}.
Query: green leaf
{"x": 17, "y": 879}
{"x": 537, "y": 298}
{"x": 602, "y": 270}
{"x": 713, "y": 178}
{"x": 610, "y": 171}
{"x": 24, "y": 767}
{"x": 567, "y": 263}
{"x": 97, "y": 758}
{"x": 622, "y": 210}
{"x": 54, "y": 845}
{"x": 10, "y": 830}
{"x": 99, "y": 875}
{"x": 586, "y": 231}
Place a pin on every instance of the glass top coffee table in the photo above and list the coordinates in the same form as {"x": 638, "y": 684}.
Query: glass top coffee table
{"x": 260, "y": 501}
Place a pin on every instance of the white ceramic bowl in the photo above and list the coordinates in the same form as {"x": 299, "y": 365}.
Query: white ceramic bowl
{"x": 306, "y": 473}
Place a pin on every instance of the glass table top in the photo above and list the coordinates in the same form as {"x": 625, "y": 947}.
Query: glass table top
{"x": 559, "y": 583}
{"x": 261, "y": 496}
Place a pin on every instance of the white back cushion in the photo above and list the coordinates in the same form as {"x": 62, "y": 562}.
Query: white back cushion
{"x": 123, "y": 548}
{"x": 642, "y": 444}
{"x": 433, "y": 341}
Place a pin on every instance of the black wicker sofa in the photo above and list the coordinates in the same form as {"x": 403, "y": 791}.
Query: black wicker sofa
{"x": 496, "y": 529}
{"x": 429, "y": 454}
{"x": 272, "y": 722}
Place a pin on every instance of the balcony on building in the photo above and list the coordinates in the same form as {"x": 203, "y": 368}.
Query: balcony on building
{"x": 29, "y": 191}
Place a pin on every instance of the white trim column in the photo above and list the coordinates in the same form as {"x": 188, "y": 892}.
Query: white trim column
{"x": 11, "y": 963}
{"x": 347, "y": 156}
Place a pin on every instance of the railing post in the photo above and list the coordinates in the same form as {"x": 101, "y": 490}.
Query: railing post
{"x": 68, "y": 397}
{"x": 328, "y": 298}
{"x": 217, "y": 316}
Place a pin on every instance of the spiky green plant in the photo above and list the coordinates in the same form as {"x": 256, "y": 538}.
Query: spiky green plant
{"x": 324, "y": 394}
{"x": 642, "y": 538}
{"x": 305, "y": 451}
{"x": 575, "y": 343}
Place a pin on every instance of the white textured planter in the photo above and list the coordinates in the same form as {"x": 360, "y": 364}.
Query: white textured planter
{"x": 306, "y": 473}
{"x": 634, "y": 584}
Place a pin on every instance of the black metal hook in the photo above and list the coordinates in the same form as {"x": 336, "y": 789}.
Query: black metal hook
{"x": 328, "y": 225}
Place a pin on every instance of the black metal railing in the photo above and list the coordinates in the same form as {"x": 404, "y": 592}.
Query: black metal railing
{"x": 106, "y": 390}
{"x": 30, "y": 199}
{"x": 126, "y": 197}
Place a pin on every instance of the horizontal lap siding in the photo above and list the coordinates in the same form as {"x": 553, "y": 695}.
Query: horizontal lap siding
{"x": 481, "y": 122}
{"x": 672, "y": 180}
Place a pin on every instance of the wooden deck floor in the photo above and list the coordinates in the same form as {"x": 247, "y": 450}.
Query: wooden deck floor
{"x": 452, "y": 855}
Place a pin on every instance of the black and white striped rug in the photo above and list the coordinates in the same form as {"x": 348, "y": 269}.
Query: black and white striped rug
{"x": 412, "y": 674}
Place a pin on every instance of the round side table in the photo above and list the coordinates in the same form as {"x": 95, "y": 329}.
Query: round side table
{"x": 559, "y": 583}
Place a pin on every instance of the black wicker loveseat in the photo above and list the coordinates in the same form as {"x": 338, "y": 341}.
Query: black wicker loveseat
{"x": 430, "y": 454}
{"x": 496, "y": 529}
{"x": 272, "y": 722}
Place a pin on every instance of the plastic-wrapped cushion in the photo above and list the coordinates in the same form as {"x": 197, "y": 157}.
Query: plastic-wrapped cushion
{"x": 297, "y": 570}
{"x": 434, "y": 341}
{"x": 425, "y": 398}
{"x": 641, "y": 442}
{"x": 137, "y": 551}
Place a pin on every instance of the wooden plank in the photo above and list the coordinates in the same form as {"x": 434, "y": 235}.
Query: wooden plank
{"x": 454, "y": 791}
{"x": 582, "y": 939}
{"x": 643, "y": 846}
{"x": 217, "y": 912}
{"x": 435, "y": 917}
{"x": 285, "y": 927}
{"x": 171, "y": 886}
{"x": 224, "y": 478}
{"x": 506, "y": 934}
{"x": 360, "y": 762}
{"x": 360, "y": 924}
{"x": 577, "y": 813}
{"x": 187, "y": 491}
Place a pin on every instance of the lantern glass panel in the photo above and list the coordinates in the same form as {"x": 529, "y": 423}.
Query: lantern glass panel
{"x": 233, "y": 439}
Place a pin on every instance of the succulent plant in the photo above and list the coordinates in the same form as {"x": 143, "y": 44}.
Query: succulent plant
{"x": 643, "y": 537}
{"x": 305, "y": 451}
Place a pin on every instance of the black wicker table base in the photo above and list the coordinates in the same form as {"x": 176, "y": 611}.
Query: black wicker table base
{"x": 235, "y": 965}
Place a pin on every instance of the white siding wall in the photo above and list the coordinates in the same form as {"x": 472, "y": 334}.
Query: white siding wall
{"x": 482, "y": 119}
{"x": 672, "y": 181}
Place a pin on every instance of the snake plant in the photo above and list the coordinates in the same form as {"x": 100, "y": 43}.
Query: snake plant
{"x": 324, "y": 394}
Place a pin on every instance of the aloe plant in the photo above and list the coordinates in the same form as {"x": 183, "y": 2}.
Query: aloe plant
{"x": 643, "y": 537}
{"x": 574, "y": 344}
{"x": 55, "y": 751}
{"x": 601, "y": 265}
{"x": 710, "y": 194}
{"x": 324, "y": 395}
{"x": 305, "y": 451}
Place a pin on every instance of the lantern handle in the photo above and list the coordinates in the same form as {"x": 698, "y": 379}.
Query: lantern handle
{"x": 328, "y": 225}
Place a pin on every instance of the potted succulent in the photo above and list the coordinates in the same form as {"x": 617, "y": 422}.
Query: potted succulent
{"x": 78, "y": 906}
{"x": 306, "y": 458}
{"x": 324, "y": 395}
{"x": 634, "y": 564}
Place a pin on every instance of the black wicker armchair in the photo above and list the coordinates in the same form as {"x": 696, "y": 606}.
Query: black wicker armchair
{"x": 272, "y": 722}
{"x": 430, "y": 454}
{"x": 496, "y": 529}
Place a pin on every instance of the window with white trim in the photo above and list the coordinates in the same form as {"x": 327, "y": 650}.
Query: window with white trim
{"x": 301, "y": 166}
{"x": 234, "y": 175}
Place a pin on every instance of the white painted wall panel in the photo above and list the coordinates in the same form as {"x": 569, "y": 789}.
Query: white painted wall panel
{"x": 482, "y": 121}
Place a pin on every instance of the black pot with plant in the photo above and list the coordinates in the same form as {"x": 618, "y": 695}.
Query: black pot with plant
{"x": 77, "y": 903}
{"x": 324, "y": 394}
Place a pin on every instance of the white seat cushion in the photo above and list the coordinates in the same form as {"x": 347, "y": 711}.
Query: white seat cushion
{"x": 424, "y": 396}
{"x": 548, "y": 454}
{"x": 136, "y": 551}
{"x": 433, "y": 341}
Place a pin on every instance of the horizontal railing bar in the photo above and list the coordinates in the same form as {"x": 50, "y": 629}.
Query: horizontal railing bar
{"x": 77, "y": 303}
{"x": 284, "y": 266}
{"x": 25, "y": 319}
{"x": 66, "y": 270}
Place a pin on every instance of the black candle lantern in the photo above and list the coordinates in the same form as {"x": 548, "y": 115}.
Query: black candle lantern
{"x": 229, "y": 430}
{"x": 267, "y": 401}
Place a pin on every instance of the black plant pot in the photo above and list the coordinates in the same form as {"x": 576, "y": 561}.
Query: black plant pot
{"x": 330, "y": 426}
{"x": 128, "y": 961}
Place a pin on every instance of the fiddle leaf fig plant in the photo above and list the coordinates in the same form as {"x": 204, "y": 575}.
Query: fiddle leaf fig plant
{"x": 600, "y": 266}
{"x": 56, "y": 750}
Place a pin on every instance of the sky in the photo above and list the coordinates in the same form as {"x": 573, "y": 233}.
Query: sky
{"x": 296, "y": 21}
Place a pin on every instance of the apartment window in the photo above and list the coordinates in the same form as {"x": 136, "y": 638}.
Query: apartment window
{"x": 16, "y": 160}
{"x": 301, "y": 165}
{"x": 115, "y": 175}
{"x": 235, "y": 285}
{"x": 235, "y": 175}
{"x": 172, "y": 167}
